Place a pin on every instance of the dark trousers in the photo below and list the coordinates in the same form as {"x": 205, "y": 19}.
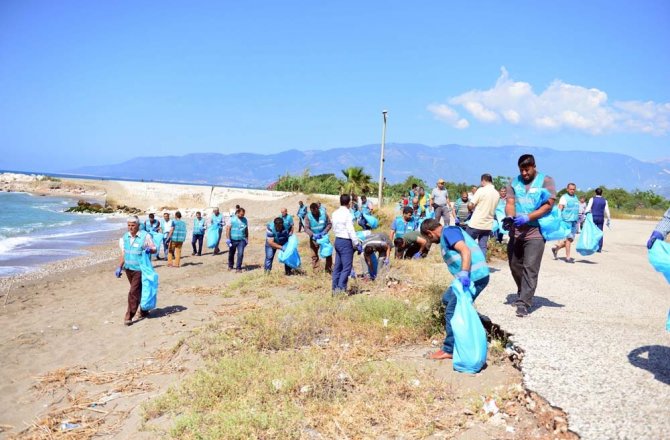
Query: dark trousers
{"x": 300, "y": 224}
{"x": 197, "y": 238}
{"x": 270, "y": 256}
{"x": 216, "y": 248}
{"x": 411, "y": 250}
{"x": 314, "y": 246}
{"x": 135, "y": 292}
{"x": 442, "y": 211}
{"x": 237, "y": 245}
{"x": 481, "y": 236}
{"x": 344, "y": 260}
{"x": 525, "y": 258}
{"x": 449, "y": 301}
{"x": 600, "y": 222}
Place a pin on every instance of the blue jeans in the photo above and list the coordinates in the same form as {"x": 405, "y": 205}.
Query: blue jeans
{"x": 238, "y": 245}
{"x": 269, "y": 257}
{"x": 481, "y": 236}
{"x": 166, "y": 246}
{"x": 197, "y": 239}
{"x": 344, "y": 260}
{"x": 449, "y": 301}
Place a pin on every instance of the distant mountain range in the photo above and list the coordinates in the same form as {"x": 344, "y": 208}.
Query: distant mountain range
{"x": 452, "y": 162}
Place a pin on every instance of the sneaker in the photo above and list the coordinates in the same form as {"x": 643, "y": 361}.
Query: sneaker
{"x": 521, "y": 311}
{"x": 570, "y": 260}
{"x": 555, "y": 252}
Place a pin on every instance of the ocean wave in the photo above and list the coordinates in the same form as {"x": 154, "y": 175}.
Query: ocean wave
{"x": 9, "y": 231}
{"x": 6, "y": 271}
{"x": 11, "y": 245}
{"x": 25, "y": 253}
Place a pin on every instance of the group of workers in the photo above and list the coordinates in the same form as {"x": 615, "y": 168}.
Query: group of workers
{"x": 483, "y": 214}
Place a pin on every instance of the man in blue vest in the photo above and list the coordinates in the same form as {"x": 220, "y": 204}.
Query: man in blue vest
{"x": 237, "y": 238}
{"x": 288, "y": 220}
{"x": 198, "y": 233}
{"x": 133, "y": 244}
{"x": 219, "y": 221}
{"x": 661, "y": 230}
{"x": 465, "y": 261}
{"x": 365, "y": 208}
{"x": 530, "y": 196}
{"x": 568, "y": 204}
{"x": 600, "y": 212}
{"x": 403, "y": 224}
{"x": 302, "y": 212}
{"x": 276, "y": 236}
{"x": 317, "y": 225}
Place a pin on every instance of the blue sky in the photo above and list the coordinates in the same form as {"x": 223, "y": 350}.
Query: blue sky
{"x": 86, "y": 83}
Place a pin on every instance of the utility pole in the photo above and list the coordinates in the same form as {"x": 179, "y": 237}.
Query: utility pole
{"x": 381, "y": 161}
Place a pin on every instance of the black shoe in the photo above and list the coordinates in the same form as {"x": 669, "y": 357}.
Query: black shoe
{"x": 521, "y": 311}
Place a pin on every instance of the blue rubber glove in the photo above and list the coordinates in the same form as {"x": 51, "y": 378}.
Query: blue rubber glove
{"x": 458, "y": 222}
{"x": 521, "y": 220}
{"x": 654, "y": 236}
{"x": 387, "y": 261}
{"x": 118, "y": 272}
{"x": 359, "y": 248}
{"x": 317, "y": 237}
{"x": 229, "y": 243}
{"x": 147, "y": 251}
{"x": 464, "y": 277}
{"x": 608, "y": 223}
{"x": 417, "y": 256}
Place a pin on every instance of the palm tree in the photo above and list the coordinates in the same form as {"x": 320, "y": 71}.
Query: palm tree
{"x": 358, "y": 182}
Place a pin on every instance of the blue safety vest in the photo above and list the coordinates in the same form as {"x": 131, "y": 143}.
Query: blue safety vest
{"x": 133, "y": 253}
{"x": 478, "y": 267}
{"x": 179, "y": 234}
{"x": 288, "y": 221}
{"x": 281, "y": 238}
{"x": 570, "y": 211}
{"x": 528, "y": 201}
{"x": 217, "y": 220}
{"x": 365, "y": 208}
{"x": 238, "y": 226}
{"x": 302, "y": 211}
{"x": 317, "y": 226}
{"x": 198, "y": 226}
{"x": 151, "y": 227}
{"x": 402, "y": 227}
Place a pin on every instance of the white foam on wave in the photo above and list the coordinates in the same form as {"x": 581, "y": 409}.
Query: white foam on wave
{"x": 6, "y": 271}
{"x": 11, "y": 245}
{"x": 26, "y": 253}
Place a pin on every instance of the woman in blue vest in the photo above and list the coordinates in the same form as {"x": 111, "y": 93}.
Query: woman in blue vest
{"x": 317, "y": 225}
{"x": 465, "y": 261}
{"x": 568, "y": 204}
{"x": 133, "y": 244}
{"x": 237, "y": 238}
{"x": 403, "y": 224}
{"x": 276, "y": 236}
{"x": 198, "y": 233}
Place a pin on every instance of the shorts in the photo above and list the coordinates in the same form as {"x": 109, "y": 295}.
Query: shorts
{"x": 573, "y": 229}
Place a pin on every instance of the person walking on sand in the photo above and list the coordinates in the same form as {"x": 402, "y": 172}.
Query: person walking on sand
{"x": 317, "y": 226}
{"x": 582, "y": 213}
{"x": 132, "y": 244}
{"x": 288, "y": 220}
{"x": 217, "y": 219}
{"x": 276, "y": 236}
{"x": 346, "y": 241}
{"x": 151, "y": 224}
{"x": 302, "y": 212}
{"x": 483, "y": 207}
{"x": 176, "y": 237}
{"x": 198, "y": 233}
{"x": 466, "y": 262}
{"x": 600, "y": 211}
{"x": 439, "y": 200}
{"x": 237, "y": 238}
{"x": 568, "y": 204}
{"x": 166, "y": 225}
{"x": 526, "y": 203}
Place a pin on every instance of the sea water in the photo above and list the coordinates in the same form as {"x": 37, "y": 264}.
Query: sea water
{"x": 35, "y": 230}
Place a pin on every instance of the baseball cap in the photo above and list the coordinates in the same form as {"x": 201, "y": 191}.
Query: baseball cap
{"x": 440, "y": 181}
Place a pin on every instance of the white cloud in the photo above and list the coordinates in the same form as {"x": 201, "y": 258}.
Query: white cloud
{"x": 559, "y": 106}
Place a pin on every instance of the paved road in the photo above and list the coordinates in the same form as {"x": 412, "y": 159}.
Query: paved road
{"x": 595, "y": 341}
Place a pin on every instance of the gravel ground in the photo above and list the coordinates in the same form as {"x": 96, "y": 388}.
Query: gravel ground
{"x": 595, "y": 340}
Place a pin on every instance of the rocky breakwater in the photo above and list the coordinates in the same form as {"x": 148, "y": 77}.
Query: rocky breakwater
{"x": 96, "y": 208}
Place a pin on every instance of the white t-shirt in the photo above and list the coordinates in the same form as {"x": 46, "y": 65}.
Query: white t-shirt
{"x": 485, "y": 200}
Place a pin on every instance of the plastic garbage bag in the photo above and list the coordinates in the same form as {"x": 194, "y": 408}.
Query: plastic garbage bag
{"x": 149, "y": 283}
{"x": 469, "y": 334}
{"x": 667, "y": 323}
{"x": 372, "y": 221}
{"x": 659, "y": 257}
{"x": 362, "y": 235}
{"x": 289, "y": 254}
{"x": 158, "y": 240}
{"x": 212, "y": 236}
{"x": 589, "y": 238}
{"x": 553, "y": 227}
{"x": 325, "y": 247}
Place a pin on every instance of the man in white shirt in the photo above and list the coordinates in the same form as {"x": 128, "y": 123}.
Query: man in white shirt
{"x": 439, "y": 200}
{"x": 600, "y": 210}
{"x": 345, "y": 243}
{"x": 483, "y": 207}
{"x": 166, "y": 226}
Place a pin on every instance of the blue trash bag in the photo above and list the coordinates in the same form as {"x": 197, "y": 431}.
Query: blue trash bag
{"x": 589, "y": 238}
{"x": 430, "y": 214}
{"x": 667, "y": 323}
{"x": 659, "y": 257}
{"x": 325, "y": 248}
{"x": 372, "y": 221}
{"x": 362, "y": 235}
{"x": 289, "y": 254}
{"x": 158, "y": 240}
{"x": 469, "y": 335}
{"x": 149, "y": 284}
{"x": 497, "y": 222}
{"x": 553, "y": 227}
{"x": 212, "y": 236}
